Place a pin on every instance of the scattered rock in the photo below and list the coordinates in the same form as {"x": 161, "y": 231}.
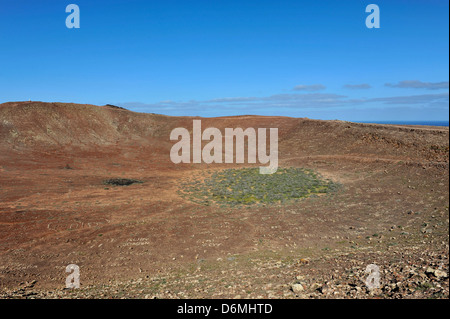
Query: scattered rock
{"x": 297, "y": 288}
{"x": 436, "y": 273}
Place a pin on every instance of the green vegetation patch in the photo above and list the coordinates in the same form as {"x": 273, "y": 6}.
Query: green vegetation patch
{"x": 247, "y": 186}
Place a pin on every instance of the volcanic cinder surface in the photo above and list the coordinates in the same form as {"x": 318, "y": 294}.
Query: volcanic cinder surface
{"x": 145, "y": 241}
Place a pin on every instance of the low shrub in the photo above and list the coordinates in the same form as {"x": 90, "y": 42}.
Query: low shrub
{"x": 247, "y": 186}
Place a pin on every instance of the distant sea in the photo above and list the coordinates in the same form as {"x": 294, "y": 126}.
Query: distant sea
{"x": 429, "y": 123}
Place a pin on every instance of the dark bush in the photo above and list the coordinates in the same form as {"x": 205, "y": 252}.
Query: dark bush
{"x": 121, "y": 181}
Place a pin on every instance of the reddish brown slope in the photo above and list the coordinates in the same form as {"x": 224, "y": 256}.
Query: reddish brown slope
{"x": 37, "y": 126}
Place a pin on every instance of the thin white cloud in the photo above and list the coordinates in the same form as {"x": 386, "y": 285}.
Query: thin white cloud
{"x": 280, "y": 102}
{"x": 232, "y": 99}
{"x": 412, "y": 99}
{"x": 310, "y": 88}
{"x": 419, "y": 85}
{"x": 363, "y": 86}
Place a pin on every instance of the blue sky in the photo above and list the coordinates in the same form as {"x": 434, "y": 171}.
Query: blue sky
{"x": 310, "y": 58}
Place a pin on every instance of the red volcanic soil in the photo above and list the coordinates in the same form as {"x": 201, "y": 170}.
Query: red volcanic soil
{"x": 144, "y": 240}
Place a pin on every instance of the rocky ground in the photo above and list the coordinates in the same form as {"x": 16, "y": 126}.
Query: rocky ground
{"x": 415, "y": 273}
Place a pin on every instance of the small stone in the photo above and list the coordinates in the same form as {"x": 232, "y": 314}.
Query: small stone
{"x": 324, "y": 289}
{"x": 316, "y": 286}
{"x": 436, "y": 273}
{"x": 440, "y": 274}
{"x": 297, "y": 288}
